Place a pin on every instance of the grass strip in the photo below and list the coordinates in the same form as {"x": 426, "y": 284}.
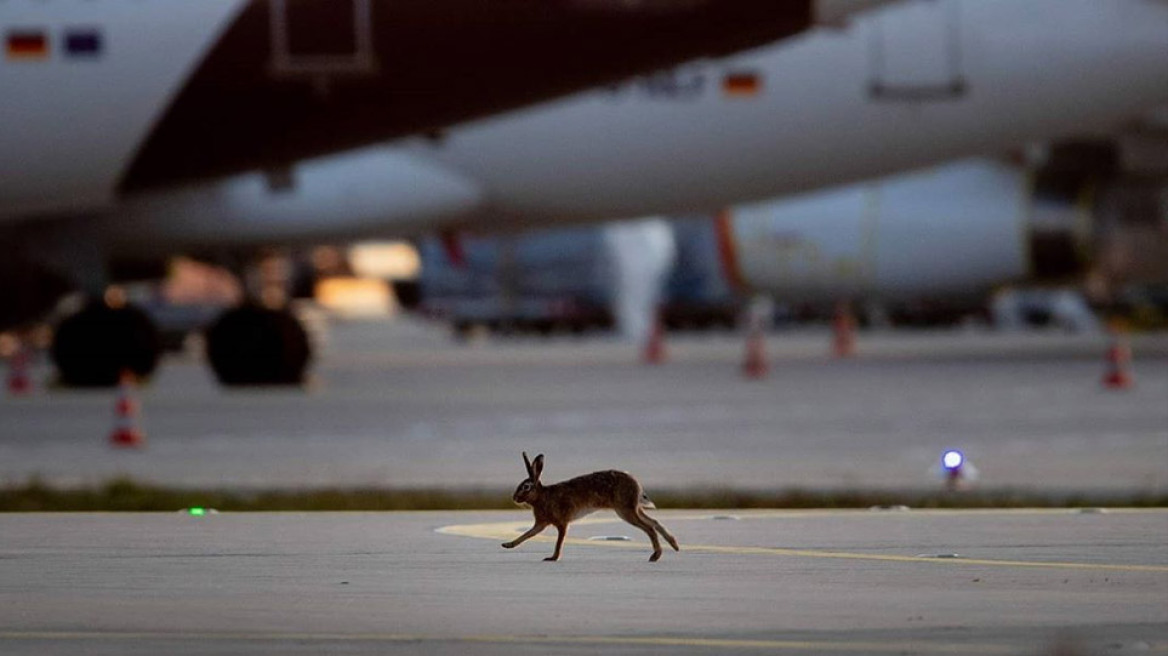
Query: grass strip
{"x": 123, "y": 494}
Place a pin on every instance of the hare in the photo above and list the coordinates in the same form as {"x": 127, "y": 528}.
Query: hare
{"x": 557, "y": 505}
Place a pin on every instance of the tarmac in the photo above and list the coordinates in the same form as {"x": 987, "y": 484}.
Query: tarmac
{"x": 401, "y": 405}
{"x": 872, "y": 582}
{"x": 398, "y": 405}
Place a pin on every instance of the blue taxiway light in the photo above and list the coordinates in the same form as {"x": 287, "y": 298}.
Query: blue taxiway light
{"x": 952, "y": 459}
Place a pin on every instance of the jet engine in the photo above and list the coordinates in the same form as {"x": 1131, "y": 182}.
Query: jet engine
{"x": 953, "y": 231}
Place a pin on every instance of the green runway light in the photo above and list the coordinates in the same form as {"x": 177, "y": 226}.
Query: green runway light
{"x": 197, "y": 512}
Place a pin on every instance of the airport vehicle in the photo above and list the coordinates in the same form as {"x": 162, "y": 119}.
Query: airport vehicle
{"x": 697, "y": 294}
{"x": 558, "y": 280}
{"x": 573, "y": 279}
{"x": 911, "y": 85}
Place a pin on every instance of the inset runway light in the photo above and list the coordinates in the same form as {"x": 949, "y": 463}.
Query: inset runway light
{"x": 956, "y": 470}
{"x": 952, "y": 459}
{"x": 199, "y": 511}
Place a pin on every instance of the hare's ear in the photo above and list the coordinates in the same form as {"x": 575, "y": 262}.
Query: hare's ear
{"x": 537, "y": 467}
{"x": 527, "y": 463}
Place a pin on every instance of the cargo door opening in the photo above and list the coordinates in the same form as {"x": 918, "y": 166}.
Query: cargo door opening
{"x": 925, "y": 64}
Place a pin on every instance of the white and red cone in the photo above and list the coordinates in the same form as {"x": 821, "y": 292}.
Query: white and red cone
{"x": 843, "y": 329}
{"x": 1118, "y": 375}
{"x": 654, "y": 352}
{"x": 126, "y": 433}
{"x": 754, "y": 362}
{"x": 19, "y": 380}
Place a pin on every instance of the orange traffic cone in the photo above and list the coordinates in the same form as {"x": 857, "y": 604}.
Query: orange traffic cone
{"x": 654, "y": 352}
{"x": 1118, "y": 375}
{"x": 19, "y": 382}
{"x": 843, "y": 342}
{"x": 126, "y": 433}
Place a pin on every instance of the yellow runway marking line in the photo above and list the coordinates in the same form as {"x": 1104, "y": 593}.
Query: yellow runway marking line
{"x": 681, "y": 642}
{"x": 507, "y": 530}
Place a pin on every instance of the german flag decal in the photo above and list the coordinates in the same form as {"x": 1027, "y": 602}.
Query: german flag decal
{"x": 82, "y": 42}
{"x": 26, "y": 45}
{"x": 742, "y": 84}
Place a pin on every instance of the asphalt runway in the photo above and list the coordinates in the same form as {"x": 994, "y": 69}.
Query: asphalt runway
{"x": 396, "y": 404}
{"x": 911, "y": 582}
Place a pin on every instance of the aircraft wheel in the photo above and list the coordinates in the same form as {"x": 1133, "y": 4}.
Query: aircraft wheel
{"x": 252, "y": 345}
{"x": 92, "y": 347}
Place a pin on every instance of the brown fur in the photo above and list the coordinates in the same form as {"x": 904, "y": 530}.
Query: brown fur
{"x": 559, "y": 504}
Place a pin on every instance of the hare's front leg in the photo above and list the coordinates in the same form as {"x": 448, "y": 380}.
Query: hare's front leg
{"x": 563, "y": 529}
{"x": 535, "y": 530}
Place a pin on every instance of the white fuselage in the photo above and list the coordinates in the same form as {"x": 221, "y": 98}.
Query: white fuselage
{"x": 101, "y": 99}
{"x": 1035, "y": 70}
{"x": 70, "y": 121}
{"x": 771, "y": 122}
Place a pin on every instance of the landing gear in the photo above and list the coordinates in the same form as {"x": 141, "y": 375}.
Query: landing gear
{"x": 93, "y": 347}
{"x": 248, "y": 345}
{"x": 254, "y": 345}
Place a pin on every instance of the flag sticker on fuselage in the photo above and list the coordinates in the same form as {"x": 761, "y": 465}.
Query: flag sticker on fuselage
{"x": 82, "y": 42}
{"x": 742, "y": 84}
{"x": 26, "y": 45}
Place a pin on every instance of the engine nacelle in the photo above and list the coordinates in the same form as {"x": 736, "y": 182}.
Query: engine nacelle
{"x": 956, "y": 230}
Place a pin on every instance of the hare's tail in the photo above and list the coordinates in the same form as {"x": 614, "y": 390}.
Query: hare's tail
{"x": 646, "y": 502}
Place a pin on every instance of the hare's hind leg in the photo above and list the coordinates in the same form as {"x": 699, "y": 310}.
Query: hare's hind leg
{"x": 637, "y": 518}
{"x": 660, "y": 529}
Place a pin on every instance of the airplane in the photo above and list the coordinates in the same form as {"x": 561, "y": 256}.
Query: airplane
{"x": 107, "y": 99}
{"x": 905, "y": 86}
